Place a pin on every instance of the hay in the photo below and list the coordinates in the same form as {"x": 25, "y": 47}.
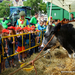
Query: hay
{"x": 49, "y": 65}
{"x": 60, "y": 53}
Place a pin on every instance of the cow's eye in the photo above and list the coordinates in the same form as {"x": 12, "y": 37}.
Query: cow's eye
{"x": 44, "y": 35}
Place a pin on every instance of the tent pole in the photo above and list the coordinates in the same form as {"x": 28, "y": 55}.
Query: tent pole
{"x": 50, "y": 12}
{"x": 69, "y": 16}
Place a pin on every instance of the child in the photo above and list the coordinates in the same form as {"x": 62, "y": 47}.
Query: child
{"x": 53, "y": 23}
{"x": 1, "y": 57}
{"x": 19, "y": 49}
{"x": 10, "y": 45}
{"x": 33, "y": 36}
{"x": 5, "y": 33}
{"x": 40, "y": 27}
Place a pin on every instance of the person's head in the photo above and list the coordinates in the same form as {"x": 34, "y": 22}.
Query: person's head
{"x": 32, "y": 30}
{"x": 21, "y": 32}
{"x": 45, "y": 22}
{"x": 42, "y": 17}
{"x": 72, "y": 15}
{"x": 53, "y": 21}
{"x": 41, "y": 23}
{"x": 22, "y": 14}
{"x": 12, "y": 32}
{"x": 36, "y": 15}
{"x": 4, "y": 18}
{"x": 5, "y": 32}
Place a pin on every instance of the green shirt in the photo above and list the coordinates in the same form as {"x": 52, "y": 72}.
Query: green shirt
{"x": 4, "y": 24}
{"x": 33, "y": 20}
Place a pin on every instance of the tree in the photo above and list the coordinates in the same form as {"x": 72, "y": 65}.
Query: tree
{"x": 5, "y": 8}
{"x": 36, "y": 5}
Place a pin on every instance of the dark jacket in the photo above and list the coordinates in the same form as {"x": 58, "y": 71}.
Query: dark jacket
{"x": 19, "y": 39}
{"x": 33, "y": 36}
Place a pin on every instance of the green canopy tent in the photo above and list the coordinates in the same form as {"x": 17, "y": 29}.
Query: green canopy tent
{"x": 68, "y": 5}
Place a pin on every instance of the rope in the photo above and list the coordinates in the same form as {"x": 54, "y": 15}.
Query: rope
{"x": 44, "y": 47}
{"x": 32, "y": 62}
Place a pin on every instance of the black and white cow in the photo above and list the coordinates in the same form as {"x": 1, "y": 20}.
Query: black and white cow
{"x": 65, "y": 34}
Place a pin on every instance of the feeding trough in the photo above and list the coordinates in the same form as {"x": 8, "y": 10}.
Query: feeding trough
{"x": 28, "y": 68}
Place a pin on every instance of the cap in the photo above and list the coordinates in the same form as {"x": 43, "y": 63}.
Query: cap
{"x": 20, "y": 29}
{"x": 33, "y": 26}
{"x": 5, "y": 31}
{"x": 17, "y": 28}
{"x": 25, "y": 28}
{"x": 37, "y": 30}
{"x": 22, "y": 13}
{"x": 11, "y": 27}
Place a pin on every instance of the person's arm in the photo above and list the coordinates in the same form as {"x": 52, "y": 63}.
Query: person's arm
{"x": 19, "y": 39}
{"x": 27, "y": 23}
{"x": 31, "y": 21}
{"x": 17, "y": 23}
{"x": 40, "y": 28}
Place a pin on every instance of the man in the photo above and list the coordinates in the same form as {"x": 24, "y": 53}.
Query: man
{"x": 5, "y": 23}
{"x": 72, "y": 17}
{"x": 22, "y": 22}
{"x": 42, "y": 18}
{"x": 33, "y": 20}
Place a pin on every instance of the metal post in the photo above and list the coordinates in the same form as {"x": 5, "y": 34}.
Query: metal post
{"x": 2, "y": 47}
{"x": 69, "y": 11}
{"x": 50, "y": 15}
{"x": 69, "y": 16}
{"x": 29, "y": 40}
{"x": 13, "y": 45}
{"x": 50, "y": 12}
{"x": 22, "y": 42}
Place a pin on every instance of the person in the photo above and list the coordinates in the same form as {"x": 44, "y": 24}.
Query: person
{"x": 10, "y": 43}
{"x": 33, "y": 20}
{"x": 53, "y": 23}
{"x": 72, "y": 17}
{"x": 33, "y": 36}
{"x": 1, "y": 57}
{"x": 40, "y": 27}
{"x": 5, "y": 32}
{"x": 22, "y": 22}
{"x": 45, "y": 25}
{"x": 5, "y": 23}
{"x": 42, "y": 18}
{"x": 19, "y": 49}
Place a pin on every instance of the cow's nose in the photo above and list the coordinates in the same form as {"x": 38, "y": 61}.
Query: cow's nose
{"x": 42, "y": 45}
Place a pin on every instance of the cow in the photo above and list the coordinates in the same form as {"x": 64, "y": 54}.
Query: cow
{"x": 65, "y": 34}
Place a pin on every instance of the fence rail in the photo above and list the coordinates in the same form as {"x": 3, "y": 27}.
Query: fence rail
{"x": 22, "y": 43}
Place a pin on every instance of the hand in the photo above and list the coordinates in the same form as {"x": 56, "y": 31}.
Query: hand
{"x": 13, "y": 42}
{"x": 18, "y": 36}
{"x": 6, "y": 48}
{"x": 32, "y": 62}
{"x": 9, "y": 38}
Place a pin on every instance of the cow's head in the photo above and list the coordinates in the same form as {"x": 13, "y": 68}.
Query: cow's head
{"x": 47, "y": 37}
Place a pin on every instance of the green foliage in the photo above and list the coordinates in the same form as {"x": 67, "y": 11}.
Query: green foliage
{"x": 5, "y": 8}
{"x": 36, "y": 5}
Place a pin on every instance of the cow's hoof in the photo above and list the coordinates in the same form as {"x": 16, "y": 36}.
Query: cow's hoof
{"x": 69, "y": 55}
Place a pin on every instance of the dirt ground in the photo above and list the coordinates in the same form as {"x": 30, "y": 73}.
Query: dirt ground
{"x": 56, "y": 62}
